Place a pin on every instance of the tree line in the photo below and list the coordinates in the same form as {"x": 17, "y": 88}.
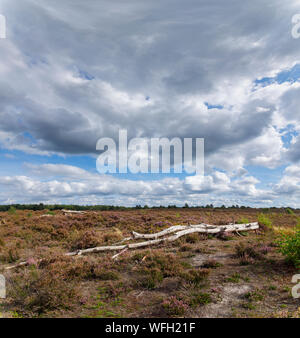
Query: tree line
{"x": 53, "y": 207}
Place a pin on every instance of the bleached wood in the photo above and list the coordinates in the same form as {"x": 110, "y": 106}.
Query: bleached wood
{"x": 119, "y": 254}
{"x": 16, "y": 266}
{"x": 176, "y": 228}
{"x": 72, "y": 212}
{"x": 183, "y": 230}
{"x": 211, "y": 229}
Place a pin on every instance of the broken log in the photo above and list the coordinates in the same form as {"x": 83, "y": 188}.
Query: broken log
{"x": 207, "y": 227}
{"x": 73, "y": 212}
{"x": 179, "y": 231}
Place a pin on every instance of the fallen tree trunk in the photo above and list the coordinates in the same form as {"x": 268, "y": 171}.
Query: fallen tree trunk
{"x": 186, "y": 231}
{"x": 176, "y": 228}
{"x": 179, "y": 231}
{"x": 72, "y": 212}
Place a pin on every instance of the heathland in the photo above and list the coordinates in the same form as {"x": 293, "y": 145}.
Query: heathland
{"x": 241, "y": 274}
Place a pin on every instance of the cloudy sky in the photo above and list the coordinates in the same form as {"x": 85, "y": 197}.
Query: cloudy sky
{"x": 72, "y": 72}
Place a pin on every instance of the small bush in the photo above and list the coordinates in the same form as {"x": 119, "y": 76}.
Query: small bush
{"x": 200, "y": 298}
{"x": 235, "y": 278}
{"x": 186, "y": 247}
{"x": 247, "y": 253}
{"x": 265, "y": 249}
{"x": 249, "y": 306}
{"x": 255, "y": 296}
{"x": 243, "y": 220}
{"x": 289, "y": 246}
{"x": 113, "y": 236}
{"x": 290, "y": 211}
{"x": 264, "y": 221}
{"x": 89, "y": 239}
{"x": 103, "y": 274}
{"x": 192, "y": 238}
{"x": 12, "y": 210}
{"x": 196, "y": 276}
{"x": 224, "y": 236}
{"x": 39, "y": 291}
{"x": 168, "y": 264}
{"x": 174, "y": 306}
{"x": 211, "y": 264}
{"x": 10, "y": 256}
{"x": 152, "y": 279}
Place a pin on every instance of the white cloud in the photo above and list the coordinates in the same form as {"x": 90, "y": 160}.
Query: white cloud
{"x": 72, "y": 73}
{"x": 78, "y": 185}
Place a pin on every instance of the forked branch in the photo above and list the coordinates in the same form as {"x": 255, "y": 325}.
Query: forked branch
{"x": 177, "y": 231}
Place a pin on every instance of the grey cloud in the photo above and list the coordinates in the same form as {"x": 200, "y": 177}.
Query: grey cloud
{"x": 74, "y": 71}
{"x": 160, "y": 50}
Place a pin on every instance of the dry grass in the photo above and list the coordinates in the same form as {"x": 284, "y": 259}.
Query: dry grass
{"x": 194, "y": 274}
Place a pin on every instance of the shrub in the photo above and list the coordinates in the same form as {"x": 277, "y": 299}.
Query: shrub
{"x": 104, "y": 274}
{"x": 9, "y": 256}
{"x": 289, "y": 246}
{"x": 186, "y": 247}
{"x": 168, "y": 264}
{"x": 174, "y": 306}
{"x": 224, "y": 236}
{"x": 211, "y": 263}
{"x": 264, "y": 221}
{"x": 196, "y": 276}
{"x": 247, "y": 252}
{"x": 54, "y": 283}
{"x": 265, "y": 249}
{"x": 89, "y": 239}
{"x": 192, "y": 238}
{"x": 248, "y": 255}
{"x": 113, "y": 236}
{"x": 290, "y": 211}
{"x": 40, "y": 291}
{"x": 200, "y": 298}
{"x": 12, "y": 210}
{"x": 235, "y": 278}
{"x": 152, "y": 278}
{"x": 243, "y": 220}
{"x": 255, "y": 296}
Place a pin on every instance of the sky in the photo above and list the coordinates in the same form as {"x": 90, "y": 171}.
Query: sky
{"x": 72, "y": 72}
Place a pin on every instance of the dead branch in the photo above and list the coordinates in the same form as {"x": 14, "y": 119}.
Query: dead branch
{"x": 176, "y": 228}
{"x": 72, "y": 212}
{"x": 119, "y": 254}
{"x": 189, "y": 230}
{"x": 179, "y": 231}
{"x": 124, "y": 240}
{"x": 21, "y": 264}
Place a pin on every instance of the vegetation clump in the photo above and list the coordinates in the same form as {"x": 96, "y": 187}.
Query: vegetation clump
{"x": 289, "y": 246}
{"x": 264, "y": 222}
{"x": 200, "y": 298}
{"x": 174, "y": 306}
